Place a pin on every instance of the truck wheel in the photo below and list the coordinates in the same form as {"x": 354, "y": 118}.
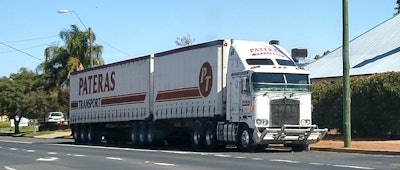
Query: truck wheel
{"x": 245, "y": 139}
{"x": 93, "y": 136}
{"x": 76, "y": 134}
{"x": 210, "y": 135}
{"x": 134, "y": 137}
{"x": 142, "y": 135}
{"x": 83, "y": 134}
{"x": 300, "y": 147}
{"x": 198, "y": 136}
{"x": 153, "y": 139}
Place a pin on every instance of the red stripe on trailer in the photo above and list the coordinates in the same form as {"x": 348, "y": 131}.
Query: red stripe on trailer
{"x": 125, "y": 99}
{"x": 178, "y": 94}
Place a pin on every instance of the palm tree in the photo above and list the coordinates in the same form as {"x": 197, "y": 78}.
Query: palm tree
{"x": 73, "y": 56}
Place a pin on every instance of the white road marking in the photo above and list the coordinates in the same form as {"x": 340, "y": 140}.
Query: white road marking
{"x": 354, "y": 167}
{"x": 13, "y": 149}
{"x": 76, "y": 155}
{"x": 30, "y": 151}
{"x": 47, "y": 159}
{"x": 10, "y": 141}
{"x": 160, "y": 163}
{"x": 9, "y": 168}
{"x": 240, "y": 157}
{"x": 316, "y": 163}
{"x": 114, "y": 158}
{"x": 176, "y": 152}
{"x": 283, "y": 160}
{"x": 257, "y": 159}
{"x": 52, "y": 153}
{"x": 163, "y": 164}
{"x": 224, "y": 156}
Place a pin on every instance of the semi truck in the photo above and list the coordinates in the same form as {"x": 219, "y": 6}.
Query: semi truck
{"x": 210, "y": 95}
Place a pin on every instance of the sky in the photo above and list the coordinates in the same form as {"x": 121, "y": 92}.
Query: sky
{"x": 129, "y": 29}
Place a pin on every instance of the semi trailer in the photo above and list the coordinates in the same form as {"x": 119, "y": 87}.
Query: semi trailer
{"x": 244, "y": 93}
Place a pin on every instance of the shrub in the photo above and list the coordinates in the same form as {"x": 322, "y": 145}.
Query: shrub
{"x": 5, "y": 124}
{"x": 375, "y": 105}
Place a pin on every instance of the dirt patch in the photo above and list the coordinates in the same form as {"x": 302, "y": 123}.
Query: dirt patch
{"x": 359, "y": 144}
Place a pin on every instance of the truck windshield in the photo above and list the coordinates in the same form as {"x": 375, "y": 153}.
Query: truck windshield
{"x": 280, "y": 82}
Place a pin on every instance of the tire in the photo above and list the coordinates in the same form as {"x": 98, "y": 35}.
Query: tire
{"x": 133, "y": 135}
{"x": 210, "y": 135}
{"x": 76, "y": 134}
{"x": 83, "y": 134}
{"x": 300, "y": 147}
{"x": 245, "y": 139}
{"x": 151, "y": 135}
{"x": 198, "y": 136}
{"x": 93, "y": 136}
{"x": 142, "y": 135}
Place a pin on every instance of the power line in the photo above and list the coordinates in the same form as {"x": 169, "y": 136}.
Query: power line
{"x": 115, "y": 48}
{"x": 11, "y": 51}
{"x": 32, "y": 39}
{"x": 20, "y": 51}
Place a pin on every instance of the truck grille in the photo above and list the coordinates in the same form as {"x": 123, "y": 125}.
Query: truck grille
{"x": 285, "y": 111}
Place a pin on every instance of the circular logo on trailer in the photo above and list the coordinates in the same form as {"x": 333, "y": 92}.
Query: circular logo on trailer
{"x": 205, "y": 79}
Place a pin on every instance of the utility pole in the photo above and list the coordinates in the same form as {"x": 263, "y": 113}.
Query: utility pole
{"x": 346, "y": 77}
{"x": 90, "y": 47}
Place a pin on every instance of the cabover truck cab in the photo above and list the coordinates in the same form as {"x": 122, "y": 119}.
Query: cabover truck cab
{"x": 245, "y": 93}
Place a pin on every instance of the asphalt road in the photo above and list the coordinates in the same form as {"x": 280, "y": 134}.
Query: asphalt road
{"x": 61, "y": 154}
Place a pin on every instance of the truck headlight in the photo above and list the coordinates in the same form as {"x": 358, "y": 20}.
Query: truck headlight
{"x": 262, "y": 122}
{"x": 305, "y": 122}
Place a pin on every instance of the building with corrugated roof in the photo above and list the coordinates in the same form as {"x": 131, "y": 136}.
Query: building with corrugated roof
{"x": 375, "y": 51}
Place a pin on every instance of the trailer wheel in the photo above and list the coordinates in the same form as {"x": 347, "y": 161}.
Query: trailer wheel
{"x": 210, "y": 135}
{"x": 93, "y": 136}
{"x": 152, "y": 138}
{"x": 76, "y": 134}
{"x": 198, "y": 135}
{"x": 245, "y": 141}
{"x": 134, "y": 137}
{"x": 83, "y": 130}
{"x": 142, "y": 135}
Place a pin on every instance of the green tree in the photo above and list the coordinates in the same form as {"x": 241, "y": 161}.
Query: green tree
{"x": 19, "y": 97}
{"x": 61, "y": 61}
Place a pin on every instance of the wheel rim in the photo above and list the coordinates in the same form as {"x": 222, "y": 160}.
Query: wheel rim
{"x": 245, "y": 138}
{"x": 142, "y": 136}
{"x": 209, "y": 137}
{"x": 90, "y": 135}
{"x": 196, "y": 136}
{"x": 83, "y": 134}
{"x": 76, "y": 135}
{"x": 150, "y": 137}
{"x": 133, "y": 137}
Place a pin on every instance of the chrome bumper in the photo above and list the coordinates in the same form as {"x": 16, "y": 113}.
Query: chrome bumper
{"x": 289, "y": 134}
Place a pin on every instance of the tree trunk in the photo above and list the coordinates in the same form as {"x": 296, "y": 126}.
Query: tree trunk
{"x": 17, "y": 119}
